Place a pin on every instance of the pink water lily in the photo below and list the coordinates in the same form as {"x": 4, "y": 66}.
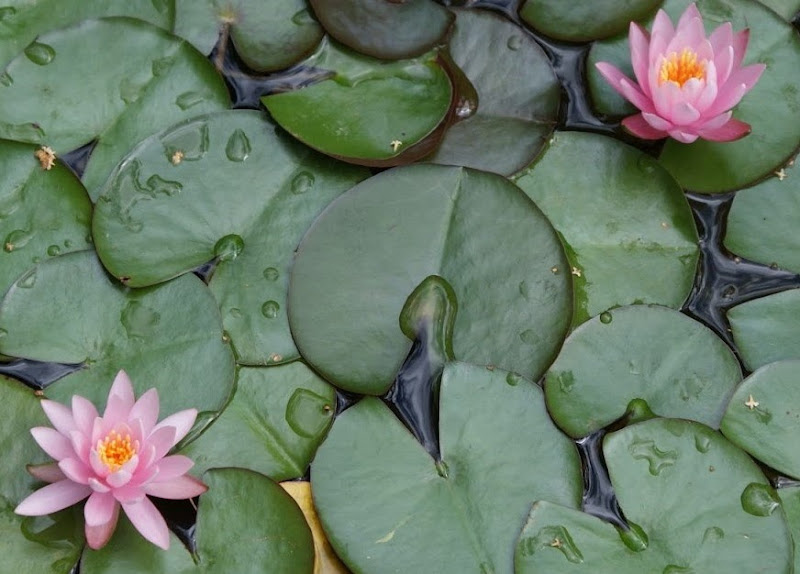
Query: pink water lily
{"x": 687, "y": 83}
{"x": 115, "y": 460}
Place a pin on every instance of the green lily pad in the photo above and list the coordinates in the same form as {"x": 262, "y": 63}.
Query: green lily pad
{"x": 628, "y": 230}
{"x": 400, "y": 101}
{"x": 518, "y": 96}
{"x": 787, "y": 9}
{"x": 21, "y": 21}
{"x": 238, "y": 192}
{"x": 67, "y": 310}
{"x": 790, "y": 500}
{"x": 116, "y": 80}
{"x": 763, "y": 416}
{"x": 42, "y": 213}
{"x": 273, "y": 425}
{"x": 710, "y": 167}
{"x": 583, "y": 21}
{"x": 385, "y": 503}
{"x": 700, "y": 504}
{"x": 680, "y": 367}
{"x": 389, "y": 30}
{"x": 267, "y": 38}
{"x": 766, "y": 330}
{"x": 362, "y": 259}
{"x": 761, "y": 223}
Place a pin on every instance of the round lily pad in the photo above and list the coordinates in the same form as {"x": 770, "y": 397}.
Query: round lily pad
{"x": 390, "y": 30}
{"x": 375, "y": 244}
{"x": 582, "y": 21}
{"x": 67, "y": 310}
{"x": 710, "y": 167}
{"x": 222, "y": 186}
{"x": 42, "y": 212}
{"x": 790, "y": 500}
{"x": 518, "y": 96}
{"x": 680, "y": 367}
{"x": 766, "y": 330}
{"x": 763, "y": 416}
{"x": 116, "y": 80}
{"x": 399, "y": 104}
{"x": 762, "y": 221}
{"x": 267, "y": 37}
{"x": 626, "y": 226}
{"x": 384, "y": 502}
{"x": 699, "y": 505}
{"x": 787, "y": 9}
{"x": 272, "y": 425}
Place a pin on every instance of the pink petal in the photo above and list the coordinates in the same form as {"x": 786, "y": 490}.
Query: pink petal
{"x": 99, "y": 509}
{"x": 715, "y": 122}
{"x": 665, "y": 98}
{"x": 148, "y": 521}
{"x": 52, "y": 442}
{"x": 613, "y": 76}
{"x": 733, "y": 130}
{"x": 48, "y": 472}
{"x": 690, "y": 35}
{"x": 120, "y": 399}
{"x": 75, "y": 470}
{"x": 684, "y": 114}
{"x": 662, "y": 26}
{"x": 172, "y": 466}
{"x": 692, "y": 89}
{"x": 640, "y": 49}
{"x": 161, "y": 440}
{"x": 146, "y": 409}
{"x": 633, "y": 95}
{"x": 182, "y": 421}
{"x": 52, "y": 498}
{"x": 748, "y": 75}
{"x": 657, "y": 122}
{"x": 100, "y": 469}
{"x": 691, "y": 13}
{"x": 721, "y": 38}
{"x": 735, "y": 88}
{"x": 724, "y": 64}
{"x": 148, "y": 455}
{"x": 128, "y": 494}
{"x": 80, "y": 445}
{"x": 98, "y": 430}
{"x": 705, "y": 51}
{"x": 98, "y": 536}
{"x": 84, "y": 413}
{"x": 682, "y": 136}
{"x": 144, "y": 476}
{"x": 740, "y": 41}
{"x": 117, "y": 410}
{"x": 640, "y": 128}
{"x": 176, "y": 488}
{"x": 123, "y": 475}
{"x": 98, "y": 486}
{"x": 709, "y": 91}
{"x": 59, "y": 415}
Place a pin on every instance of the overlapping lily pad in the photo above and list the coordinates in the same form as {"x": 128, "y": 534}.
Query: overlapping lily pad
{"x": 790, "y": 499}
{"x": 390, "y": 30}
{"x": 399, "y": 104}
{"x": 361, "y": 260}
{"x": 710, "y": 167}
{"x": 702, "y": 506}
{"x": 385, "y": 502}
{"x": 266, "y": 37}
{"x": 168, "y": 337}
{"x": 518, "y": 96}
{"x": 273, "y": 424}
{"x": 582, "y": 21}
{"x": 223, "y": 186}
{"x": 766, "y": 330}
{"x": 42, "y": 213}
{"x": 627, "y": 228}
{"x": 788, "y": 9}
{"x": 116, "y": 80}
{"x": 675, "y": 364}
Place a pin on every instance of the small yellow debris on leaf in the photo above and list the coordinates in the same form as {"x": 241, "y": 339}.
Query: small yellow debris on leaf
{"x": 751, "y": 403}
{"x": 576, "y": 272}
{"x": 46, "y": 157}
{"x": 396, "y": 145}
{"x": 177, "y": 157}
{"x": 556, "y": 543}
{"x": 781, "y": 174}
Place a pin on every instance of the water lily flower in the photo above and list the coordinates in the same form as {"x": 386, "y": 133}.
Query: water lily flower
{"x": 687, "y": 83}
{"x": 114, "y": 460}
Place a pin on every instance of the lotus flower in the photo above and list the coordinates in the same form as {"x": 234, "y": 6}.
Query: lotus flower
{"x": 117, "y": 459}
{"x": 687, "y": 83}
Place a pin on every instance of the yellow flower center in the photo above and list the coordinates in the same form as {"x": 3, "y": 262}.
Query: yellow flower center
{"x": 115, "y": 450}
{"x": 680, "y": 68}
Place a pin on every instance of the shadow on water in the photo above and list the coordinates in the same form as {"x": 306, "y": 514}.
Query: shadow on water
{"x": 37, "y": 375}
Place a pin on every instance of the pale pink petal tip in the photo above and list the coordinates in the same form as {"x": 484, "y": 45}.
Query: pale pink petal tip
{"x": 146, "y": 518}
{"x": 640, "y": 128}
{"x": 733, "y": 130}
{"x": 48, "y": 472}
{"x": 52, "y": 498}
{"x": 123, "y": 388}
{"x": 101, "y": 513}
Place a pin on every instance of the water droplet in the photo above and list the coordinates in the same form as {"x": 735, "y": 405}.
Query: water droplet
{"x": 53, "y": 250}
{"x": 40, "y": 54}
{"x": 191, "y": 141}
{"x": 759, "y": 499}
{"x": 673, "y": 569}
{"x": 529, "y": 337}
{"x": 514, "y": 43}
{"x": 552, "y": 538}
{"x": 303, "y": 18}
{"x": 17, "y": 239}
{"x": 656, "y": 458}
{"x": 6, "y": 79}
{"x": 513, "y": 379}
{"x": 188, "y": 100}
{"x": 138, "y": 319}
{"x": 270, "y": 309}
{"x": 302, "y": 182}
{"x": 442, "y": 469}
{"x": 702, "y": 443}
{"x": 713, "y": 533}
{"x": 67, "y": 243}
{"x": 238, "y": 147}
{"x": 229, "y": 247}
{"x": 6, "y": 13}
{"x": 306, "y": 413}
{"x": 606, "y": 318}
{"x": 647, "y": 164}
{"x": 271, "y": 274}
{"x": 28, "y": 280}
{"x": 634, "y": 538}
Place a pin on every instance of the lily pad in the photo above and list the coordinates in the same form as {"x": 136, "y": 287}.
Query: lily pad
{"x": 116, "y": 81}
{"x": 766, "y": 330}
{"x": 400, "y": 101}
{"x": 680, "y": 367}
{"x": 222, "y": 186}
{"x": 362, "y": 259}
{"x": 583, "y": 21}
{"x": 699, "y": 503}
{"x": 762, "y": 221}
{"x": 267, "y": 38}
{"x": 67, "y": 310}
{"x": 627, "y": 228}
{"x": 787, "y": 9}
{"x": 763, "y": 416}
{"x": 389, "y": 30}
{"x": 472, "y": 503}
{"x": 710, "y": 167}
{"x": 790, "y": 500}
{"x": 273, "y": 424}
{"x": 42, "y": 213}
{"x": 518, "y": 95}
